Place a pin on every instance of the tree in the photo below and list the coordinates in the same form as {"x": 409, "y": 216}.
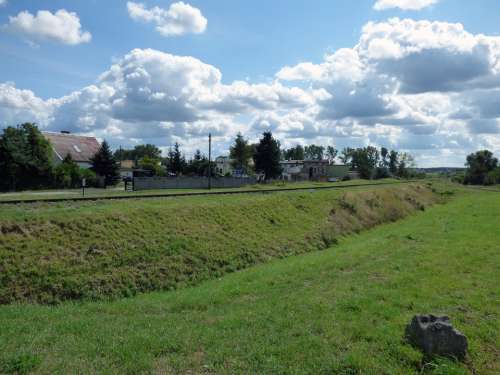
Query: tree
{"x": 314, "y": 152}
{"x": 105, "y": 165}
{"x": 383, "y": 155}
{"x": 267, "y": 156}
{"x": 294, "y": 153}
{"x": 393, "y": 162}
{"x": 364, "y": 160}
{"x": 199, "y": 165}
{"x": 331, "y": 153}
{"x": 138, "y": 152}
{"x": 67, "y": 173}
{"x": 25, "y": 158}
{"x": 176, "y": 161}
{"x": 405, "y": 163}
{"x": 240, "y": 153}
{"x": 479, "y": 165}
{"x": 346, "y": 155}
{"x": 152, "y": 164}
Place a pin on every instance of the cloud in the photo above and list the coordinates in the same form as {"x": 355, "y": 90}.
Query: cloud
{"x": 61, "y": 26}
{"x": 18, "y": 106}
{"x": 3, "y": 2}
{"x": 179, "y": 19}
{"x": 430, "y": 88}
{"x": 403, "y": 4}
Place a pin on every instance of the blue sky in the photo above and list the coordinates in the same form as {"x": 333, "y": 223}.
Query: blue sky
{"x": 253, "y": 41}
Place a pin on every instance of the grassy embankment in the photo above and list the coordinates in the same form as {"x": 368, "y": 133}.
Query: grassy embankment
{"x": 119, "y": 191}
{"x": 55, "y": 252}
{"x": 338, "y": 311}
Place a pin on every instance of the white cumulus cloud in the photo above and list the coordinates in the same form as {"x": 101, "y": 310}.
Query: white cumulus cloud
{"x": 403, "y": 4}
{"x": 429, "y": 88}
{"x": 61, "y": 26}
{"x": 180, "y": 18}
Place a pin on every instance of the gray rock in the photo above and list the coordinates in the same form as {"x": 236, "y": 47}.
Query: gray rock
{"x": 435, "y": 336}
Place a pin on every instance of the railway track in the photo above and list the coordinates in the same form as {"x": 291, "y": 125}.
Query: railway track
{"x": 204, "y": 193}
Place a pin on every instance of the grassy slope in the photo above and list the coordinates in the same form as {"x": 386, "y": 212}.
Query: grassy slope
{"x": 117, "y": 192}
{"x": 57, "y": 252}
{"x": 339, "y": 311}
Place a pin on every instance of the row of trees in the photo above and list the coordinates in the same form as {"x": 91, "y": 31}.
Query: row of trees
{"x": 149, "y": 158}
{"x": 369, "y": 161}
{"x": 310, "y": 152}
{"x": 373, "y": 163}
{"x": 26, "y": 162}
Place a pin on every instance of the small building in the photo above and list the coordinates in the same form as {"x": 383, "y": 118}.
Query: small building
{"x": 315, "y": 170}
{"x": 292, "y": 170}
{"x": 81, "y": 148}
{"x": 223, "y": 166}
{"x": 312, "y": 170}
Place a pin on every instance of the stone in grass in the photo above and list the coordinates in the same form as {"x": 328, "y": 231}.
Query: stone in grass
{"x": 435, "y": 336}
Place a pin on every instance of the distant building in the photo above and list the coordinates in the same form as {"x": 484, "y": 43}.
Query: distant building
{"x": 292, "y": 170}
{"x": 223, "y": 166}
{"x": 312, "y": 170}
{"x": 315, "y": 170}
{"x": 81, "y": 148}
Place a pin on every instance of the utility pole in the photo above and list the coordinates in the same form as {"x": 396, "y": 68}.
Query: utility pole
{"x": 209, "y": 161}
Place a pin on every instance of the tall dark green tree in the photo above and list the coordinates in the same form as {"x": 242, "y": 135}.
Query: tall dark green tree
{"x": 176, "y": 161}
{"x": 267, "y": 157}
{"x": 105, "y": 165}
{"x": 241, "y": 153}
{"x": 25, "y": 158}
{"x": 479, "y": 165}
{"x": 393, "y": 162}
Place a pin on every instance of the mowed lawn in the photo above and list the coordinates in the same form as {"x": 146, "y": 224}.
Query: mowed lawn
{"x": 338, "y": 311}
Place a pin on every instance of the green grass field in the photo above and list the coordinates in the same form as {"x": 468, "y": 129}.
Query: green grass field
{"x": 338, "y": 311}
{"x": 119, "y": 191}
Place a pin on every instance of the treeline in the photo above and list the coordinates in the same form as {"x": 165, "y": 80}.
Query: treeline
{"x": 369, "y": 162}
{"x": 149, "y": 158}
{"x": 482, "y": 169}
{"x": 26, "y": 162}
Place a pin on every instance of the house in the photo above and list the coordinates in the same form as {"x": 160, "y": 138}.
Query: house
{"x": 81, "y": 148}
{"x": 223, "y": 166}
{"x": 316, "y": 170}
{"x": 292, "y": 170}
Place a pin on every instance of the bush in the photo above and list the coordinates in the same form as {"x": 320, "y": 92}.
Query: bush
{"x": 69, "y": 175}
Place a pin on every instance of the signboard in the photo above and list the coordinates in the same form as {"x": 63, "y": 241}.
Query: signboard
{"x": 84, "y": 182}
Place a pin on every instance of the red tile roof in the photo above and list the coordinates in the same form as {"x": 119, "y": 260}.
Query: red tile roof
{"x": 81, "y": 148}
